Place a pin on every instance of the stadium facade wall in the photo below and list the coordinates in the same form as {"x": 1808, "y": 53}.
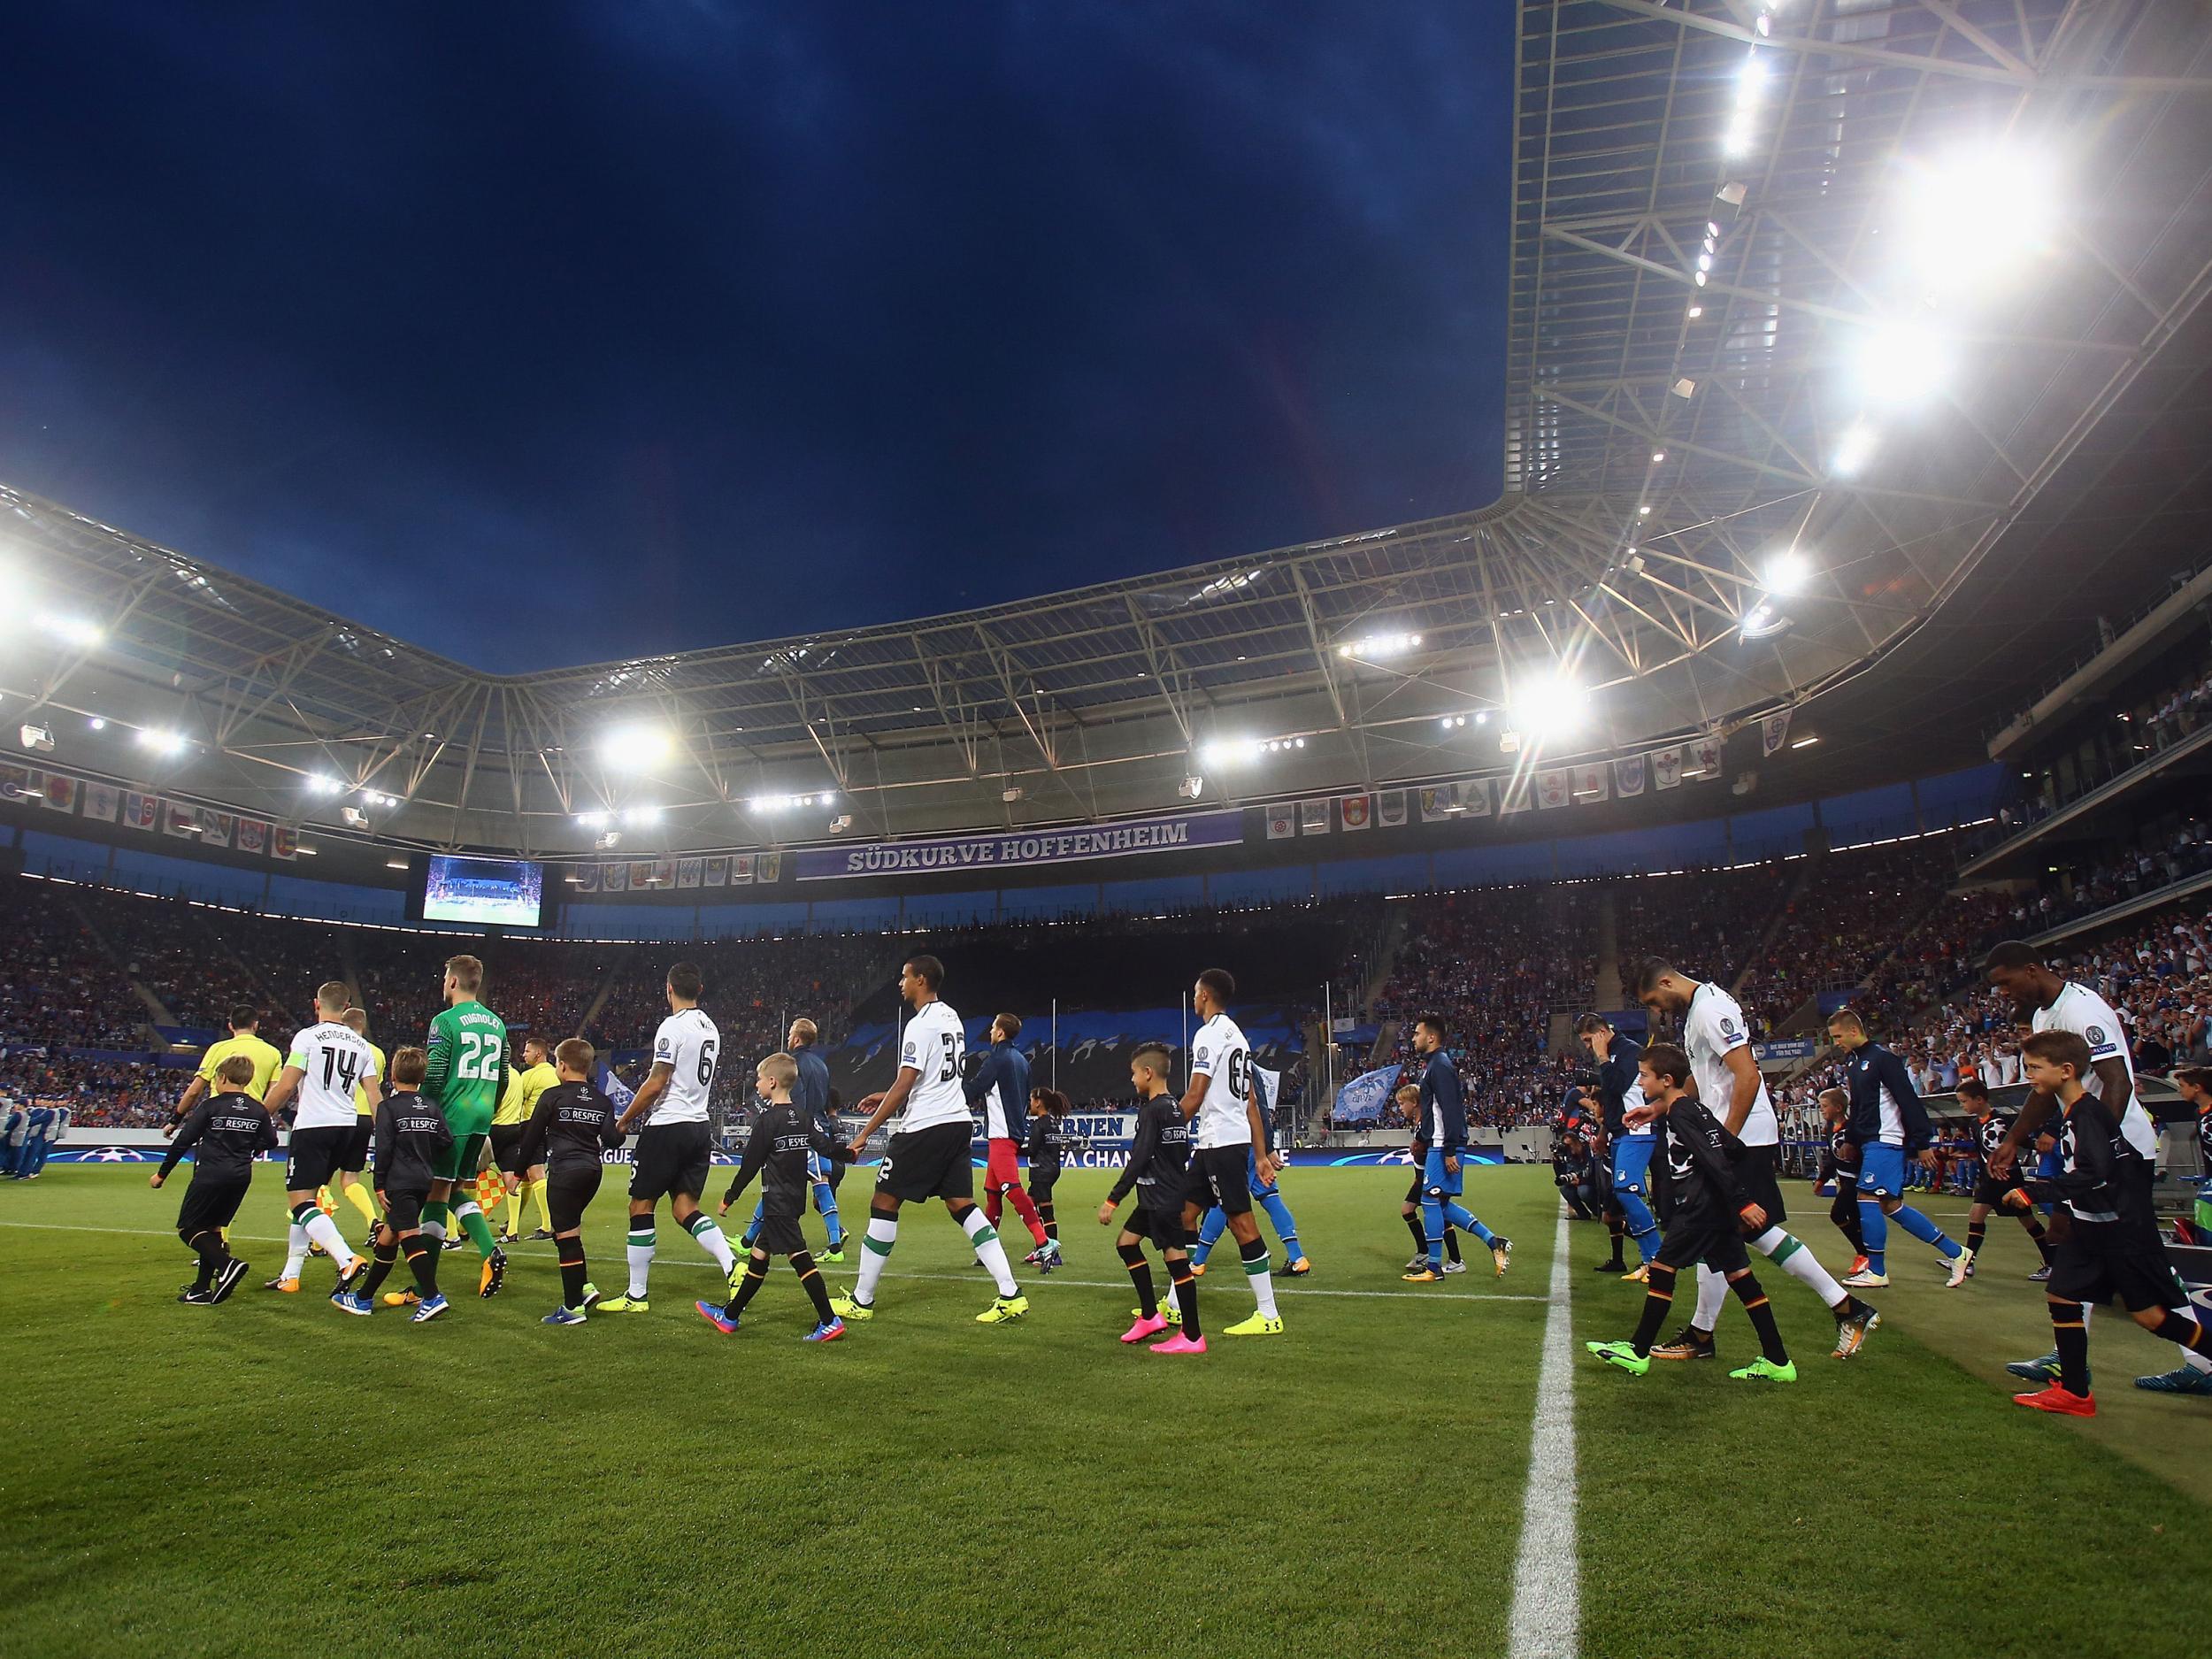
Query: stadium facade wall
{"x": 1417, "y": 858}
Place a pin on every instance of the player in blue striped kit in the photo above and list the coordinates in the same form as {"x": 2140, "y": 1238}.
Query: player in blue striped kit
{"x": 1269, "y": 1194}
{"x": 1444, "y": 1127}
{"x": 1887, "y": 1123}
{"x": 1628, "y": 1148}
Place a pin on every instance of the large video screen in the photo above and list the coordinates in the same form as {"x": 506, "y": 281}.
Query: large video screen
{"x": 488, "y": 891}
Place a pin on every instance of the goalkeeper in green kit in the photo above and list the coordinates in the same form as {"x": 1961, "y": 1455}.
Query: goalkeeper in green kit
{"x": 468, "y": 1062}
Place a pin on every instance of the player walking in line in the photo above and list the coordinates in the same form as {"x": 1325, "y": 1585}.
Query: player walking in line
{"x": 1718, "y": 1043}
{"x": 412, "y": 1139}
{"x": 676, "y": 1151}
{"x": 1707, "y": 1214}
{"x": 571, "y": 1125}
{"x": 231, "y": 1128}
{"x": 367, "y": 1095}
{"x": 325, "y": 1063}
{"x": 814, "y": 1098}
{"x": 1001, "y": 1088}
{"x": 2051, "y": 1003}
{"x": 1627, "y": 1149}
{"x": 928, "y": 1157}
{"x": 1839, "y": 1163}
{"x": 1230, "y": 1142}
{"x": 1047, "y": 1146}
{"x": 1158, "y": 1164}
{"x": 786, "y": 1147}
{"x": 1990, "y": 1129}
{"x": 1888, "y": 1124}
{"x": 1269, "y": 1194}
{"x": 1408, "y": 1101}
{"x": 518, "y": 1100}
{"x": 466, "y": 1073}
{"x": 2109, "y": 1245}
{"x": 1444, "y": 1127}
{"x": 245, "y": 1039}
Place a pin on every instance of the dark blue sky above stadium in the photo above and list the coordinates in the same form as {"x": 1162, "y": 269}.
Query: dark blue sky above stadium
{"x": 541, "y": 334}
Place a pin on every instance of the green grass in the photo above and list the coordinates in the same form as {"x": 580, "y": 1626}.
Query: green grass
{"x": 271, "y": 1477}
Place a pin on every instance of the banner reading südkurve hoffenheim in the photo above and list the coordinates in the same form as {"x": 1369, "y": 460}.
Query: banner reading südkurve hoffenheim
{"x": 1024, "y": 848}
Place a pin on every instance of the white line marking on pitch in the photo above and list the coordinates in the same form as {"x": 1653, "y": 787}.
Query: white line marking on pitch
{"x": 1546, "y": 1622}
{"x": 1292, "y": 1288}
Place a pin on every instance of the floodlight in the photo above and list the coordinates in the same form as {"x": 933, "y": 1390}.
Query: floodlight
{"x": 1972, "y": 217}
{"x": 71, "y": 630}
{"x": 1787, "y": 572}
{"x": 1549, "y": 704}
{"x": 1901, "y": 363}
{"x": 1854, "y": 450}
{"x": 637, "y": 748}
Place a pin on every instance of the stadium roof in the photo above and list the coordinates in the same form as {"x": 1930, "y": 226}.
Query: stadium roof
{"x": 1755, "y": 444}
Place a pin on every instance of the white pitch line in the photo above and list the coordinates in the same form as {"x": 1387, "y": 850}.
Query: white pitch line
{"x": 1546, "y": 1622}
{"x": 1281, "y": 1288}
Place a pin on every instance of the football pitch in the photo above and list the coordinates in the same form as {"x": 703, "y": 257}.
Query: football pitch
{"x": 270, "y": 1477}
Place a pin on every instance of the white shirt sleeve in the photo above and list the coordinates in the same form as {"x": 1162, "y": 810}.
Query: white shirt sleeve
{"x": 1720, "y": 1023}
{"x": 1202, "y": 1055}
{"x": 2100, "y": 1026}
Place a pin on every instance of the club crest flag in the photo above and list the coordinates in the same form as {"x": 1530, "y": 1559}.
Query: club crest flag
{"x": 584, "y": 878}
{"x": 1353, "y": 808}
{"x": 215, "y": 829}
{"x": 100, "y": 801}
{"x": 57, "y": 791}
{"x": 640, "y": 875}
{"x": 1774, "y": 731}
{"x": 1436, "y": 803}
{"x": 1313, "y": 816}
{"x": 690, "y": 871}
{"x": 718, "y": 871}
{"x": 1553, "y": 787}
{"x": 15, "y": 783}
{"x": 664, "y": 873}
{"x": 1666, "y": 767}
{"x": 1282, "y": 821}
{"x": 768, "y": 867}
{"x": 1594, "y": 782}
{"x": 284, "y": 843}
{"x": 741, "y": 870}
{"x": 1628, "y": 777}
{"x": 1702, "y": 758}
{"x": 177, "y": 818}
{"x": 1513, "y": 792}
{"x": 616, "y": 879}
{"x": 1474, "y": 798}
{"x": 253, "y": 835}
{"x": 1390, "y": 809}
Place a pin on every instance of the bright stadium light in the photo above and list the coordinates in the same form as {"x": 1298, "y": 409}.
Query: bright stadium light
{"x": 1968, "y": 220}
{"x": 1228, "y": 751}
{"x": 641, "y": 816}
{"x": 323, "y": 783}
{"x": 1901, "y": 363}
{"x": 637, "y": 748}
{"x": 71, "y": 630}
{"x": 1788, "y": 572}
{"x": 1376, "y": 646}
{"x": 592, "y": 820}
{"x": 161, "y": 742}
{"x": 1854, "y": 450}
{"x": 1761, "y": 621}
{"x": 97, "y": 724}
{"x": 1548, "y": 704}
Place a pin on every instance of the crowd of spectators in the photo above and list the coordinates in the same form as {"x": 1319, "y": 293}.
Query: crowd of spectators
{"x": 58, "y": 989}
{"x": 1843, "y": 921}
{"x": 1708, "y": 922}
{"x": 2152, "y": 723}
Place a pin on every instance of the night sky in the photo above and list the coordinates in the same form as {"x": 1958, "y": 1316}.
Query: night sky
{"x": 542, "y": 334}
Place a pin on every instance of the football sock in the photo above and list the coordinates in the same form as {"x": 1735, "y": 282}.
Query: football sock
{"x": 1460, "y": 1217}
{"x": 701, "y": 1228}
{"x": 988, "y": 1250}
{"x": 1285, "y": 1224}
{"x": 748, "y": 1282}
{"x": 208, "y": 1245}
{"x": 826, "y": 1202}
{"x": 325, "y": 1231}
{"x": 1976, "y": 1232}
{"x": 1641, "y": 1226}
{"x": 383, "y": 1257}
{"x": 1045, "y": 1215}
{"x": 1185, "y": 1294}
{"x": 573, "y": 1278}
{"x": 994, "y": 1203}
{"x": 640, "y": 1249}
{"x": 545, "y": 1209}
{"x": 1211, "y": 1226}
{"x": 752, "y": 1227}
{"x": 295, "y": 1251}
{"x": 1420, "y": 1239}
{"x": 818, "y": 1293}
{"x": 875, "y": 1250}
{"x": 1712, "y": 1290}
{"x": 433, "y": 1220}
{"x": 1140, "y": 1276}
{"x": 1786, "y": 1252}
{"x": 1926, "y": 1230}
{"x": 1451, "y": 1242}
{"x": 1256, "y": 1274}
{"x": 357, "y": 1196}
{"x": 1613, "y": 1236}
{"x": 470, "y": 1216}
{"x": 2186, "y": 1329}
{"x": 1873, "y": 1236}
{"x": 1658, "y": 1297}
{"x": 1025, "y": 1208}
{"x": 2034, "y": 1225}
{"x": 1762, "y": 1311}
{"x": 1432, "y": 1227}
{"x": 422, "y": 1257}
{"x": 2069, "y": 1336}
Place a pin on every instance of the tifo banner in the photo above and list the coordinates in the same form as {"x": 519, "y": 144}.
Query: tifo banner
{"x": 1175, "y": 833}
{"x": 1363, "y": 1099}
{"x": 1282, "y": 821}
{"x": 1353, "y": 808}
